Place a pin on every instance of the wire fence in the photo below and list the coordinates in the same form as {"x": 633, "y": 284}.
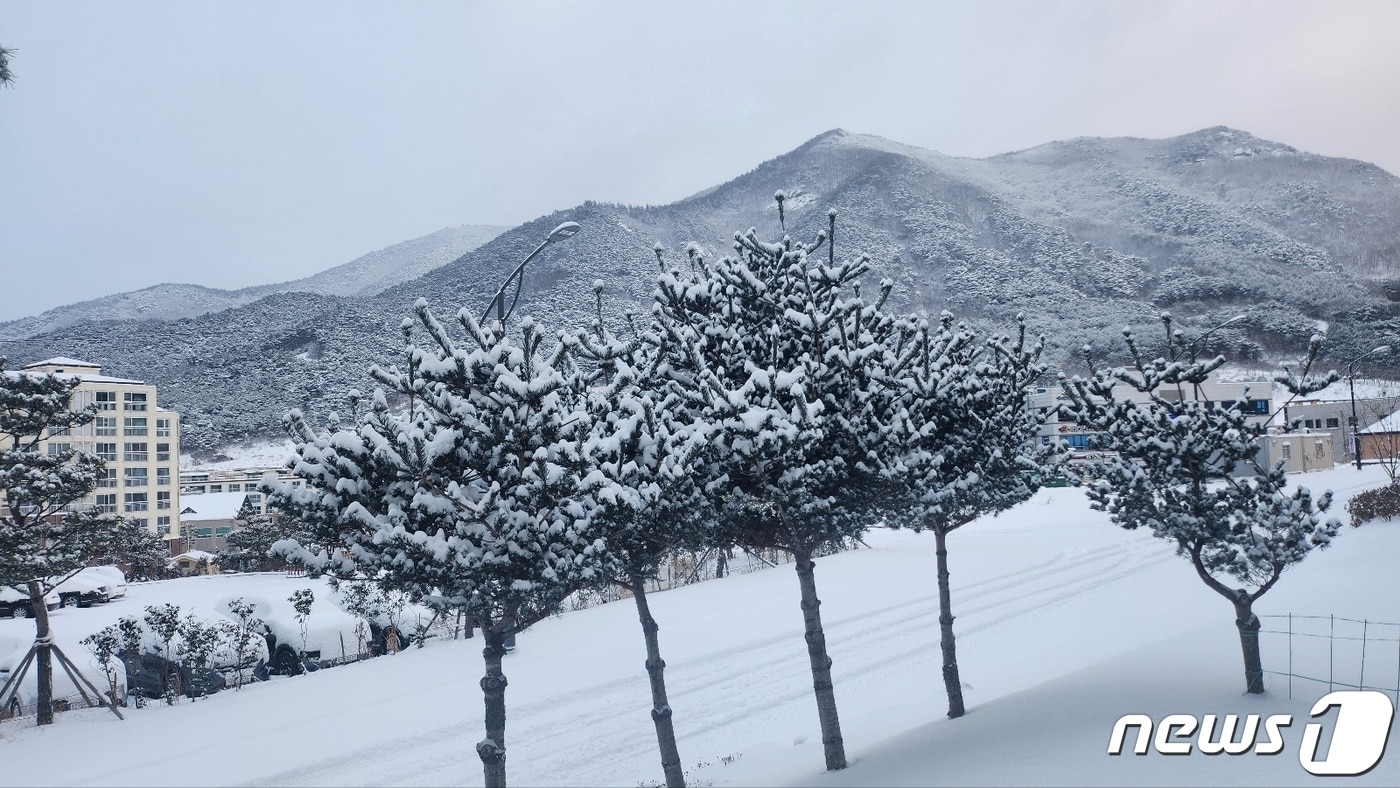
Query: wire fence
{"x": 1341, "y": 653}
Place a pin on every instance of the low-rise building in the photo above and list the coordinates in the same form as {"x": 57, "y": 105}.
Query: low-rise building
{"x": 198, "y": 481}
{"x": 207, "y": 520}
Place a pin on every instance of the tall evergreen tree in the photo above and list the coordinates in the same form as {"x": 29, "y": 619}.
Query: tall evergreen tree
{"x": 964, "y": 442}
{"x": 1187, "y": 468}
{"x": 475, "y": 499}
{"x": 41, "y": 532}
{"x": 775, "y": 351}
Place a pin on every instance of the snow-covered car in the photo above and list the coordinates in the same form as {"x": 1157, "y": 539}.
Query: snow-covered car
{"x": 13, "y": 649}
{"x": 80, "y": 590}
{"x": 14, "y": 602}
{"x": 113, "y": 577}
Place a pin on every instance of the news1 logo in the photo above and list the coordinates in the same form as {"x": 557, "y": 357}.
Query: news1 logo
{"x": 1359, "y": 734}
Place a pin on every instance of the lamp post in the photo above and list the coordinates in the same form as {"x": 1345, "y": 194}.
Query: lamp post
{"x": 1190, "y": 350}
{"x": 1351, "y": 384}
{"x": 563, "y": 231}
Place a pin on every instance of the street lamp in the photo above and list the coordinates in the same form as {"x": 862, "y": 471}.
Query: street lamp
{"x": 1191, "y": 348}
{"x": 1351, "y": 383}
{"x": 563, "y": 231}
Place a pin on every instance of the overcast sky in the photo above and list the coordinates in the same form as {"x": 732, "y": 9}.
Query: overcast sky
{"x": 229, "y": 144}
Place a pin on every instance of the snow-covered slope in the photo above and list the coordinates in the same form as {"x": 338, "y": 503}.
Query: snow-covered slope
{"x": 363, "y": 276}
{"x": 1064, "y": 624}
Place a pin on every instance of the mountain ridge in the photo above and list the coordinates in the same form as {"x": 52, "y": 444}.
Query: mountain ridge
{"x": 1083, "y": 236}
{"x": 366, "y": 275}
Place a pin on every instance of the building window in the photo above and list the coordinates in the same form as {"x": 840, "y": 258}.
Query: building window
{"x": 1079, "y": 441}
{"x": 135, "y": 452}
{"x": 213, "y": 488}
{"x": 1288, "y": 451}
{"x": 55, "y": 432}
{"x": 107, "y": 452}
{"x": 134, "y": 502}
{"x": 105, "y": 425}
{"x": 193, "y": 489}
{"x": 1333, "y": 424}
{"x": 162, "y": 452}
{"x": 1317, "y": 449}
{"x": 235, "y": 488}
{"x": 106, "y": 400}
{"x": 136, "y": 477}
{"x": 56, "y": 449}
{"x": 1257, "y": 407}
{"x": 163, "y": 528}
{"x": 163, "y": 477}
{"x": 163, "y": 500}
{"x": 223, "y": 530}
{"x": 202, "y": 533}
{"x": 135, "y": 425}
{"x": 162, "y": 428}
{"x": 255, "y": 499}
{"x": 107, "y": 478}
{"x": 107, "y": 503}
{"x": 134, "y": 400}
{"x": 1311, "y": 424}
{"x": 141, "y": 521}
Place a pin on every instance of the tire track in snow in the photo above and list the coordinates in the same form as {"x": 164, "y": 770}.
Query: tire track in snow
{"x": 714, "y": 690}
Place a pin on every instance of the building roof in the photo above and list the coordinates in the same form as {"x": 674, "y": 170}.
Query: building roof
{"x": 196, "y": 555}
{"x": 62, "y": 361}
{"x": 1390, "y": 423}
{"x": 211, "y": 506}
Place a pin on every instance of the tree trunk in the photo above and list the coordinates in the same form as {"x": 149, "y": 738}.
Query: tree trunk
{"x": 660, "y": 707}
{"x": 492, "y": 749}
{"x": 952, "y": 682}
{"x": 1248, "y": 624}
{"x": 832, "y": 743}
{"x": 43, "y": 639}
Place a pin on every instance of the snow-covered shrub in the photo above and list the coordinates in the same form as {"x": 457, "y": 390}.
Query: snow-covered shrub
{"x": 1382, "y": 503}
{"x": 105, "y": 645}
{"x": 164, "y": 623}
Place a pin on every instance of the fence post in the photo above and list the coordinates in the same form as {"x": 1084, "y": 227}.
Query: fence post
{"x": 1290, "y": 655}
{"x": 1331, "y": 648}
{"x": 1365, "y": 624}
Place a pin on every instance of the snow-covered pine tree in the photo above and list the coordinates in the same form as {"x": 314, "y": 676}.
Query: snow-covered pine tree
{"x": 41, "y": 532}
{"x": 775, "y": 350}
{"x": 1188, "y": 469}
{"x": 476, "y": 498}
{"x": 963, "y": 441}
{"x": 646, "y": 445}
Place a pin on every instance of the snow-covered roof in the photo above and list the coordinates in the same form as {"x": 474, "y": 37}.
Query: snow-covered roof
{"x": 62, "y": 361}
{"x": 1390, "y": 423}
{"x": 211, "y": 506}
{"x": 196, "y": 555}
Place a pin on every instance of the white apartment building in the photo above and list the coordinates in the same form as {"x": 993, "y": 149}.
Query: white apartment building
{"x": 137, "y": 439}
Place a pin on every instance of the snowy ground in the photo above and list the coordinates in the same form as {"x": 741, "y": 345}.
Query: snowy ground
{"x": 1064, "y": 622}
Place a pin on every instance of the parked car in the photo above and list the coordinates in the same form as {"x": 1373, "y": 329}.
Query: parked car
{"x": 80, "y": 590}
{"x": 14, "y": 602}
{"x": 147, "y": 674}
{"x": 113, "y": 577}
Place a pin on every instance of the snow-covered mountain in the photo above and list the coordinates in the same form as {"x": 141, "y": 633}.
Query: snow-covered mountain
{"x": 363, "y": 276}
{"x": 1083, "y": 236}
